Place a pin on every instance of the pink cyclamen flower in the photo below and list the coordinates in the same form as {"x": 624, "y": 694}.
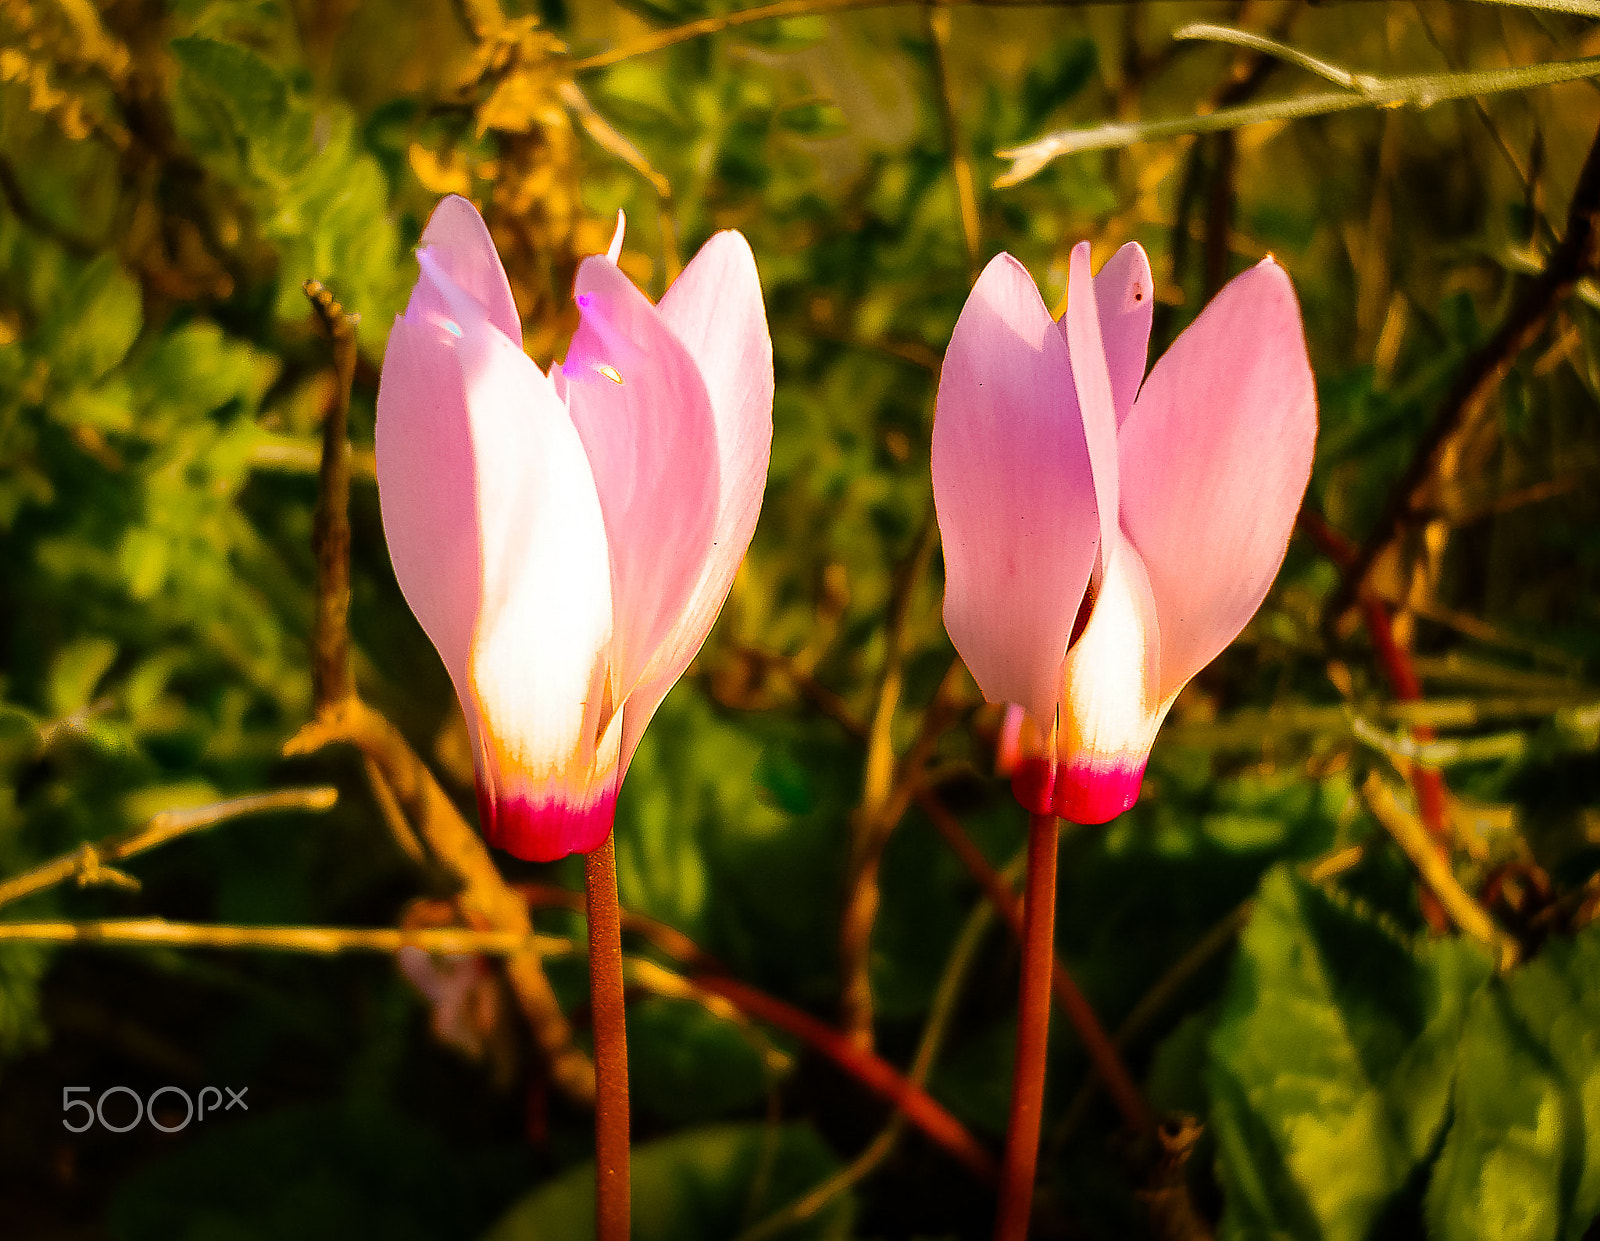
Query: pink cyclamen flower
{"x": 1105, "y": 539}
{"x": 567, "y": 539}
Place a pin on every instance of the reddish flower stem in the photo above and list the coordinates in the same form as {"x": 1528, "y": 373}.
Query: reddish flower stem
{"x": 871, "y": 1071}
{"x": 1097, "y": 1044}
{"x": 611, "y": 1183}
{"x": 1033, "y": 1032}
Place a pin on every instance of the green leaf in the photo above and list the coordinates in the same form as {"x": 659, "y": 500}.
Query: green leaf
{"x": 1522, "y": 1160}
{"x": 76, "y": 672}
{"x": 699, "y": 1185}
{"x": 1331, "y": 1064}
{"x": 818, "y": 118}
{"x": 688, "y": 1065}
{"x": 255, "y": 97}
{"x": 21, "y": 1025}
{"x": 788, "y": 34}
{"x": 95, "y": 322}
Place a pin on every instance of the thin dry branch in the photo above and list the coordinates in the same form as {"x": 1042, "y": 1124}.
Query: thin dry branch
{"x": 331, "y": 677}
{"x": 937, "y": 21}
{"x": 91, "y": 863}
{"x": 1572, "y": 260}
{"x": 321, "y": 940}
{"x": 880, "y": 808}
{"x": 484, "y": 897}
{"x": 1414, "y": 840}
{"x": 400, "y": 780}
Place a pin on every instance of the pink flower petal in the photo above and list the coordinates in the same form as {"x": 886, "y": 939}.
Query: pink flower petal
{"x": 1080, "y": 327}
{"x": 642, "y": 410}
{"x": 1109, "y": 709}
{"x": 498, "y": 542}
{"x": 1126, "y": 296}
{"x": 1215, "y": 459}
{"x": 715, "y": 309}
{"x": 541, "y": 674}
{"x": 427, "y": 488}
{"x": 458, "y": 241}
{"x": 1014, "y": 491}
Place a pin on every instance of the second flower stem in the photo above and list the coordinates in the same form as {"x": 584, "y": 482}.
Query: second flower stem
{"x": 1033, "y": 1032}
{"x": 612, "y": 1187}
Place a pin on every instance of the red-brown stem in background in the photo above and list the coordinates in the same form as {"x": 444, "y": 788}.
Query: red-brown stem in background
{"x": 870, "y": 1070}
{"x": 1426, "y": 782}
{"x": 1033, "y": 1032}
{"x": 1097, "y": 1044}
{"x": 611, "y": 1183}
{"x": 873, "y": 1072}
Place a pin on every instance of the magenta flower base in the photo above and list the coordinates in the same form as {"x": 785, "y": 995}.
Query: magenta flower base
{"x": 543, "y": 831}
{"x": 1079, "y": 793}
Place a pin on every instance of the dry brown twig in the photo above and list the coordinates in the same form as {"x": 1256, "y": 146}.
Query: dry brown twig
{"x": 876, "y": 816}
{"x": 402, "y": 780}
{"x": 91, "y": 863}
{"x": 1574, "y": 258}
{"x": 1419, "y": 847}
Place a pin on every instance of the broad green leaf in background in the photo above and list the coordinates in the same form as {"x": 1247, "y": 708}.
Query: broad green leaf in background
{"x": 1331, "y": 1063}
{"x": 697, "y": 1185}
{"x": 1522, "y": 1160}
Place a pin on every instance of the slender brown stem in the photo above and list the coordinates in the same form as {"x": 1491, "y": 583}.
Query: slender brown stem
{"x": 938, "y": 21}
{"x": 881, "y": 807}
{"x": 611, "y": 1185}
{"x": 331, "y": 678}
{"x": 1395, "y": 661}
{"x": 1033, "y": 1032}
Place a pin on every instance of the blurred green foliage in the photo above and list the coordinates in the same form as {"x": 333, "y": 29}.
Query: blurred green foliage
{"x": 169, "y": 176}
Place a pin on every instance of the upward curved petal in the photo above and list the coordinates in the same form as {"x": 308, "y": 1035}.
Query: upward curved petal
{"x": 1014, "y": 491}
{"x": 1215, "y": 459}
{"x": 645, "y": 418}
{"x": 497, "y": 540}
{"x": 458, "y": 242}
{"x": 1125, "y": 293}
{"x": 1080, "y": 326}
{"x": 715, "y": 309}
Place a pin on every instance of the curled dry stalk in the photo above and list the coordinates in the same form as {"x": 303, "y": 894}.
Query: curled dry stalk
{"x": 404, "y": 781}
